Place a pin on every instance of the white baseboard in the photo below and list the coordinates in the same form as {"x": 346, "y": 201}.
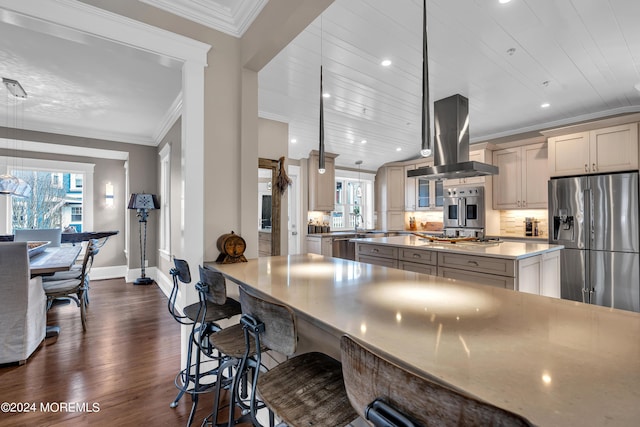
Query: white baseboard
{"x": 112, "y": 272}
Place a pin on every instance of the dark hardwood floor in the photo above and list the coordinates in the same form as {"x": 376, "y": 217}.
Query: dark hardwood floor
{"x": 125, "y": 363}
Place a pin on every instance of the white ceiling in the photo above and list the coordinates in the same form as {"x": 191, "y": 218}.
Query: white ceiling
{"x": 587, "y": 50}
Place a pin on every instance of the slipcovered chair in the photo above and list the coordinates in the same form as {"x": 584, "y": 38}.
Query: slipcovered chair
{"x": 388, "y": 395}
{"x": 53, "y": 235}
{"x": 23, "y": 305}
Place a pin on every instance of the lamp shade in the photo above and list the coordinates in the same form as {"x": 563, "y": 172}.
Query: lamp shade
{"x": 143, "y": 201}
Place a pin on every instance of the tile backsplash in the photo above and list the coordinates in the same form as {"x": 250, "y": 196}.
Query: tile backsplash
{"x": 424, "y": 221}
{"x": 512, "y": 223}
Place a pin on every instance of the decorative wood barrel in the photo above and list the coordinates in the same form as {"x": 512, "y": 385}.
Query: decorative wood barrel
{"x": 231, "y": 247}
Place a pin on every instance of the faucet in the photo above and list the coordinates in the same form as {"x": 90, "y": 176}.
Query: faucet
{"x": 356, "y": 221}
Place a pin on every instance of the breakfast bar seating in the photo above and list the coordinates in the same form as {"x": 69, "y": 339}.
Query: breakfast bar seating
{"x": 304, "y": 390}
{"x": 203, "y": 316}
{"x": 387, "y": 395}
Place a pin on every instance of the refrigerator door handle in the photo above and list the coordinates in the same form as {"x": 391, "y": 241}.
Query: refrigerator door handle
{"x": 589, "y": 228}
{"x": 586, "y": 299}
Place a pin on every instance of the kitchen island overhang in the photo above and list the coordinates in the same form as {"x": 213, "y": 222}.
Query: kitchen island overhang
{"x": 554, "y": 361}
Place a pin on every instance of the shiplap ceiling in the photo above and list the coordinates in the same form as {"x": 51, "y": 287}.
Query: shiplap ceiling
{"x": 588, "y": 52}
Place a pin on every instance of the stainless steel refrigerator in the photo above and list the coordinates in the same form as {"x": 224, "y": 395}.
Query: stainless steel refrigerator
{"x": 596, "y": 218}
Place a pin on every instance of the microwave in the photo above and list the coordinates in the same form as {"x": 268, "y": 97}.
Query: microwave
{"x": 464, "y": 208}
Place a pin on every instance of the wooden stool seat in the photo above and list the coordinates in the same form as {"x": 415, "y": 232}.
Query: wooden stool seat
{"x": 214, "y": 311}
{"x": 375, "y": 385}
{"x": 307, "y": 390}
{"x": 230, "y": 342}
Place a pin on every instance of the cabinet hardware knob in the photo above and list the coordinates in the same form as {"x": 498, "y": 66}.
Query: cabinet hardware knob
{"x": 374, "y": 250}
{"x": 417, "y": 256}
{"x": 595, "y": 169}
{"x": 524, "y": 203}
{"x": 473, "y": 263}
{"x": 586, "y": 167}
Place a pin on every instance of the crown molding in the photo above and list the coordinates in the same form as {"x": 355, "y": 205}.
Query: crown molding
{"x": 234, "y": 20}
{"x": 173, "y": 113}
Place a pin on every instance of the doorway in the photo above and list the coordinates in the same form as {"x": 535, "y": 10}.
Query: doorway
{"x": 268, "y": 208}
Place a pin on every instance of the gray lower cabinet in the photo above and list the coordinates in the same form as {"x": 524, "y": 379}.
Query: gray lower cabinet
{"x": 418, "y": 268}
{"x": 539, "y": 274}
{"x": 418, "y": 260}
{"x": 386, "y": 256}
{"x": 479, "y": 278}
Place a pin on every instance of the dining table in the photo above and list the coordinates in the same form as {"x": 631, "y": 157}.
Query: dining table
{"x": 556, "y": 362}
{"x": 60, "y": 258}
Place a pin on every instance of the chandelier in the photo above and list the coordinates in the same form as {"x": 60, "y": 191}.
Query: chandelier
{"x": 11, "y": 185}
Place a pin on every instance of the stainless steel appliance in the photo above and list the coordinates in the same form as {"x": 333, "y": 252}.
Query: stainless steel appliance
{"x": 343, "y": 247}
{"x": 451, "y": 157}
{"x": 596, "y": 219}
{"x": 464, "y": 212}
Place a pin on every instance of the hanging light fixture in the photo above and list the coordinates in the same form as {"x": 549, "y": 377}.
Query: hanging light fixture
{"x": 321, "y": 167}
{"x": 359, "y": 189}
{"x": 9, "y": 184}
{"x": 426, "y": 119}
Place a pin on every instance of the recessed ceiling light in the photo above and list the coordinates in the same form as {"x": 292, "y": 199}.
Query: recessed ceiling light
{"x": 545, "y": 105}
{"x": 326, "y": 95}
{"x": 364, "y": 141}
{"x": 504, "y": 1}
{"x": 398, "y": 149}
{"x": 385, "y": 62}
{"x": 511, "y": 51}
{"x": 293, "y": 141}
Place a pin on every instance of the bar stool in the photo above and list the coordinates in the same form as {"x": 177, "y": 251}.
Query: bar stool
{"x": 304, "y": 390}
{"x": 212, "y": 306}
{"x": 387, "y": 395}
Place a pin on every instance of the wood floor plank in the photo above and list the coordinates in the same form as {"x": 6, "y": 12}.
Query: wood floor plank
{"x": 125, "y": 362}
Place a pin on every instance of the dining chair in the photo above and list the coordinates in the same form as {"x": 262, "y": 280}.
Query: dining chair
{"x": 23, "y": 305}
{"x": 52, "y": 235}
{"x": 74, "y": 289}
{"x": 385, "y": 394}
{"x": 305, "y": 389}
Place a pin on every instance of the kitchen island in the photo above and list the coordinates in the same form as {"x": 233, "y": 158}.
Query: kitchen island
{"x": 532, "y": 267}
{"x": 556, "y": 362}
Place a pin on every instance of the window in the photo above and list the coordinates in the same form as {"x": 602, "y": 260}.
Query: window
{"x": 354, "y": 200}
{"x": 165, "y": 198}
{"x": 52, "y": 203}
{"x": 56, "y": 180}
{"x": 76, "y": 213}
{"x": 75, "y": 182}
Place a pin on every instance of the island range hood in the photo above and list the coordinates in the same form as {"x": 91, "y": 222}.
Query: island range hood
{"x": 451, "y": 144}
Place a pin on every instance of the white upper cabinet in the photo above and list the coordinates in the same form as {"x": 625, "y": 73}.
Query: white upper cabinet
{"x": 422, "y": 194}
{"x": 322, "y": 187}
{"x": 608, "y": 149}
{"x": 522, "y": 179}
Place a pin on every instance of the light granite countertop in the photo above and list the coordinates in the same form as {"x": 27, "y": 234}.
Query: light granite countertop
{"x": 556, "y": 362}
{"x": 502, "y": 249}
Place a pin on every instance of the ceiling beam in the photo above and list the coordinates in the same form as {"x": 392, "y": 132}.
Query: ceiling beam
{"x": 278, "y": 24}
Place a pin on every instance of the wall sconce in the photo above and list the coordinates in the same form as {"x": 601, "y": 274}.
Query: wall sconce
{"x": 108, "y": 194}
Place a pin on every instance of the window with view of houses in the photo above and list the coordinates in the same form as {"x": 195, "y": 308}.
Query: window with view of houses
{"x": 55, "y": 202}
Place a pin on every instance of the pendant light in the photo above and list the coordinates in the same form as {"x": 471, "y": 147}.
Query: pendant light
{"x": 426, "y": 119}
{"x": 321, "y": 168}
{"x": 359, "y": 189}
{"x": 9, "y": 184}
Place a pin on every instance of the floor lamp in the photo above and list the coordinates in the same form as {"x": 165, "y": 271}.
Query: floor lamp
{"x": 143, "y": 203}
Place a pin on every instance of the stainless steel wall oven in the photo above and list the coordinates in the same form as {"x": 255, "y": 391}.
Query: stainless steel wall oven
{"x": 464, "y": 211}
